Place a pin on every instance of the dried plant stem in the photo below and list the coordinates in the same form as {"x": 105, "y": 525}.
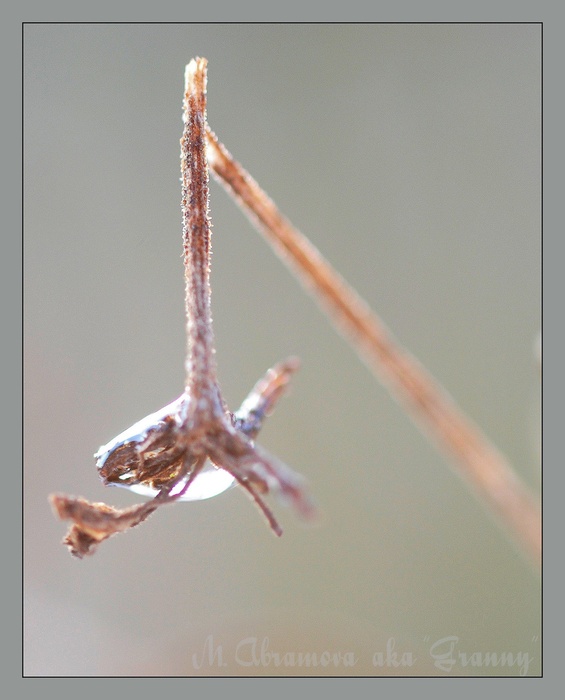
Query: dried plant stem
{"x": 200, "y": 362}
{"x": 475, "y": 459}
{"x": 168, "y": 449}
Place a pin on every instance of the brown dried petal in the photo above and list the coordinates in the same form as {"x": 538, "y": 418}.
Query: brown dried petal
{"x": 95, "y": 522}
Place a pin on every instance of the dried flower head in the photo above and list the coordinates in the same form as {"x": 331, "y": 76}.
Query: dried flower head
{"x": 194, "y": 447}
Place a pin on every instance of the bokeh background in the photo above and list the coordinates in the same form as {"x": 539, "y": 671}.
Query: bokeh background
{"x": 410, "y": 155}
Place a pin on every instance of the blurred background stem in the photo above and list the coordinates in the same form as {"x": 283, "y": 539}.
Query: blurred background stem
{"x": 468, "y": 450}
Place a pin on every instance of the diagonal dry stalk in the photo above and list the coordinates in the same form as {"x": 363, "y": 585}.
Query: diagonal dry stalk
{"x": 467, "y": 449}
{"x": 165, "y": 453}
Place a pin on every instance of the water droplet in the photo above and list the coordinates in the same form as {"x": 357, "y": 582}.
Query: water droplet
{"x": 210, "y": 482}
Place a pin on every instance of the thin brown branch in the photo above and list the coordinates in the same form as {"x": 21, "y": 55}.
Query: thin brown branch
{"x": 166, "y": 453}
{"x": 200, "y": 363}
{"x": 467, "y": 449}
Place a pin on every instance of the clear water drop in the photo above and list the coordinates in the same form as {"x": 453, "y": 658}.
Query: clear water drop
{"x": 210, "y": 482}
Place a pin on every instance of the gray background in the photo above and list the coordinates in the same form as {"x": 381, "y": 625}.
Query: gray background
{"x": 410, "y": 155}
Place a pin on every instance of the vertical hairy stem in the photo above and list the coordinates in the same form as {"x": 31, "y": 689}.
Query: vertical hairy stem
{"x": 200, "y": 364}
{"x": 165, "y": 453}
{"x": 467, "y": 449}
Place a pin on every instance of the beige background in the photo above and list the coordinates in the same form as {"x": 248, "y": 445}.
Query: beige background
{"x": 410, "y": 155}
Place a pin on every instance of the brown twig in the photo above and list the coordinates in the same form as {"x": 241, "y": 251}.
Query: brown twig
{"x": 165, "y": 453}
{"x": 200, "y": 363}
{"x": 475, "y": 459}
